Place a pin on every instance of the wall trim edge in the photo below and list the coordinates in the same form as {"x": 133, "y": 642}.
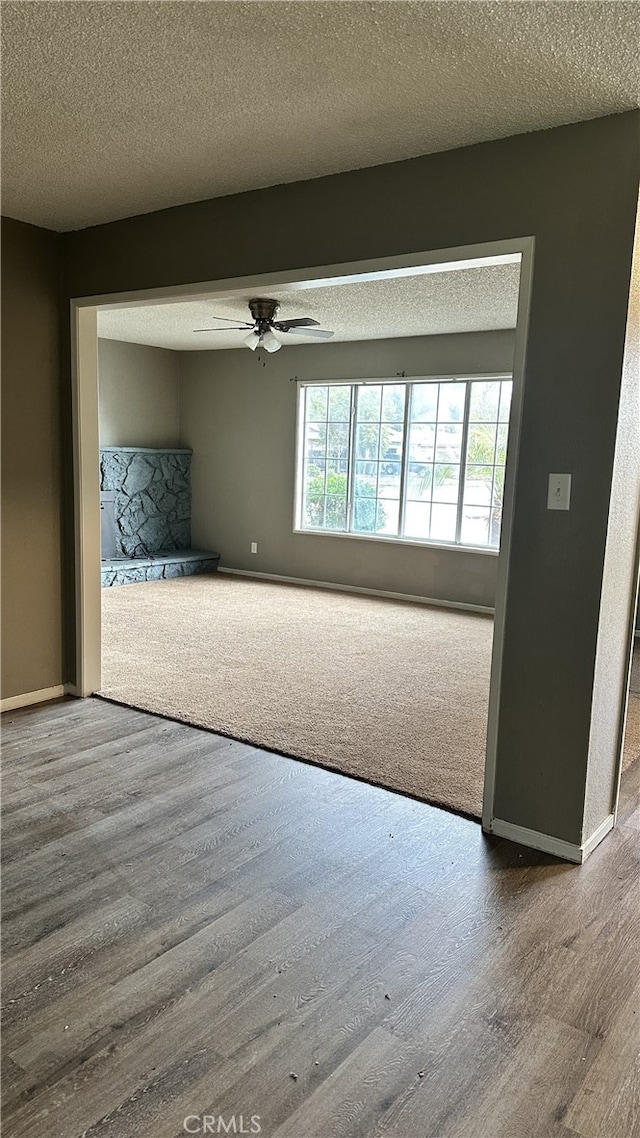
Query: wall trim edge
{"x": 550, "y": 844}
{"x": 357, "y": 589}
{"x": 598, "y": 834}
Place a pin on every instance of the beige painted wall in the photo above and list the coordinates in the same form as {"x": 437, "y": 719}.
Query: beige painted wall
{"x": 139, "y": 393}
{"x": 32, "y": 653}
{"x": 240, "y": 419}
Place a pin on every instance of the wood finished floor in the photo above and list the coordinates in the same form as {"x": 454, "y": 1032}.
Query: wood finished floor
{"x": 193, "y": 927}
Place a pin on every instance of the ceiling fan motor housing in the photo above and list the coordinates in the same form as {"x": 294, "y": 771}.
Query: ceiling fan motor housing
{"x": 263, "y": 310}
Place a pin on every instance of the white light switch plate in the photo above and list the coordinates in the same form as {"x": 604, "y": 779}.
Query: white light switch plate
{"x": 559, "y": 495}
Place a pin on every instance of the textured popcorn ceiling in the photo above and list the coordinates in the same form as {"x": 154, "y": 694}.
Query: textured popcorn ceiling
{"x": 113, "y": 109}
{"x": 463, "y": 300}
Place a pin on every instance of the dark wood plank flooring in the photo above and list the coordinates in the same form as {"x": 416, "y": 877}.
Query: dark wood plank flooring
{"x": 196, "y": 929}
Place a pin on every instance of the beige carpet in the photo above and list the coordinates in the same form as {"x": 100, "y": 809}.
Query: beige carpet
{"x": 390, "y": 692}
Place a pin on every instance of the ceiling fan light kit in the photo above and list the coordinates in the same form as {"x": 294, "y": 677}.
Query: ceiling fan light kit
{"x": 264, "y": 326}
{"x": 270, "y": 342}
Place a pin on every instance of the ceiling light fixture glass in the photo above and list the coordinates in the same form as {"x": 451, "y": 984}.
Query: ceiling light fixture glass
{"x": 270, "y": 342}
{"x": 252, "y": 341}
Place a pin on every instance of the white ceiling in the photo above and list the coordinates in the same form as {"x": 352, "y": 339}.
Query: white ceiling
{"x": 112, "y": 109}
{"x": 462, "y": 300}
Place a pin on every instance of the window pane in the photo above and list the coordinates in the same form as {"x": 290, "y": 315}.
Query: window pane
{"x": 446, "y": 481}
{"x": 388, "y": 516}
{"x": 505, "y": 400}
{"x": 365, "y": 487}
{"x": 315, "y": 442}
{"x": 393, "y": 396}
{"x": 363, "y": 474}
{"x": 443, "y": 522}
{"x": 475, "y": 525}
{"x": 367, "y": 441}
{"x": 495, "y": 524}
{"x": 314, "y": 478}
{"x": 337, "y": 483}
{"x": 424, "y": 402}
{"x": 316, "y": 403}
{"x": 422, "y": 439}
{"x": 339, "y": 403}
{"x": 449, "y": 443}
{"x": 367, "y": 511}
{"x": 313, "y": 512}
{"x": 389, "y": 480}
{"x": 391, "y": 459}
{"x": 419, "y": 482}
{"x": 501, "y": 450}
{"x": 451, "y": 406}
{"x": 477, "y": 486}
{"x": 335, "y": 512}
{"x": 338, "y": 446}
{"x": 416, "y": 519}
{"x": 485, "y": 397}
{"x": 326, "y": 512}
{"x": 369, "y": 403}
{"x": 391, "y": 455}
{"x": 482, "y": 443}
{"x": 498, "y": 487}
{"x": 391, "y": 440}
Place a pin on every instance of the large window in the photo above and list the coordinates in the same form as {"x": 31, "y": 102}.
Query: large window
{"x": 416, "y": 461}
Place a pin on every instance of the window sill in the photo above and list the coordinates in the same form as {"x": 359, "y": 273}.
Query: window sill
{"x": 397, "y": 541}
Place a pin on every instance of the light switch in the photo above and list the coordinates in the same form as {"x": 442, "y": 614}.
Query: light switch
{"x": 559, "y": 492}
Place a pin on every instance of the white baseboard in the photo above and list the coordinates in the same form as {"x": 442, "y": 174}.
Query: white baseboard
{"x": 548, "y": 843}
{"x": 13, "y": 702}
{"x": 597, "y": 836}
{"x": 357, "y": 589}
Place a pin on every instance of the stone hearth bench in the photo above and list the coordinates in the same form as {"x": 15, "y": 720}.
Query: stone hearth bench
{"x": 159, "y": 566}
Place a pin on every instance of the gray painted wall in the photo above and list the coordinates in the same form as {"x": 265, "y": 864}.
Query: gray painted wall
{"x": 139, "y": 393}
{"x": 32, "y": 487}
{"x": 240, "y": 420}
{"x": 575, "y": 190}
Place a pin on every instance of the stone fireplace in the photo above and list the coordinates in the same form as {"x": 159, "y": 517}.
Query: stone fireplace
{"x": 145, "y": 513}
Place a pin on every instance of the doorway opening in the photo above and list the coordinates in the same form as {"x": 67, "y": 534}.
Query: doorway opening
{"x": 406, "y": 488}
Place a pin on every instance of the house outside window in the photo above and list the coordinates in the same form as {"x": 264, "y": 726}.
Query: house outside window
{"x": 418, "y": 461}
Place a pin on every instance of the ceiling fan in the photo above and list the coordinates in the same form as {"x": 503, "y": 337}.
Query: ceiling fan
{"x": 263, "y": 328}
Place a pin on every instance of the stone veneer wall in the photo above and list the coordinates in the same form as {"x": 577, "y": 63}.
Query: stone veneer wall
{"x": 152, "y": 498}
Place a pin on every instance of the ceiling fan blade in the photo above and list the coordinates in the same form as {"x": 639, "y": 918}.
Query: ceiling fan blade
{"x": 302, "y": 322}
{"x": 244, "y": 323}
{"x": 231, "y": 328}
{"x": 317, "y": 333}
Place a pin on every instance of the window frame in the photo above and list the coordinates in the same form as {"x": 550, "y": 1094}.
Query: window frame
{"x": 409, "y": 381}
